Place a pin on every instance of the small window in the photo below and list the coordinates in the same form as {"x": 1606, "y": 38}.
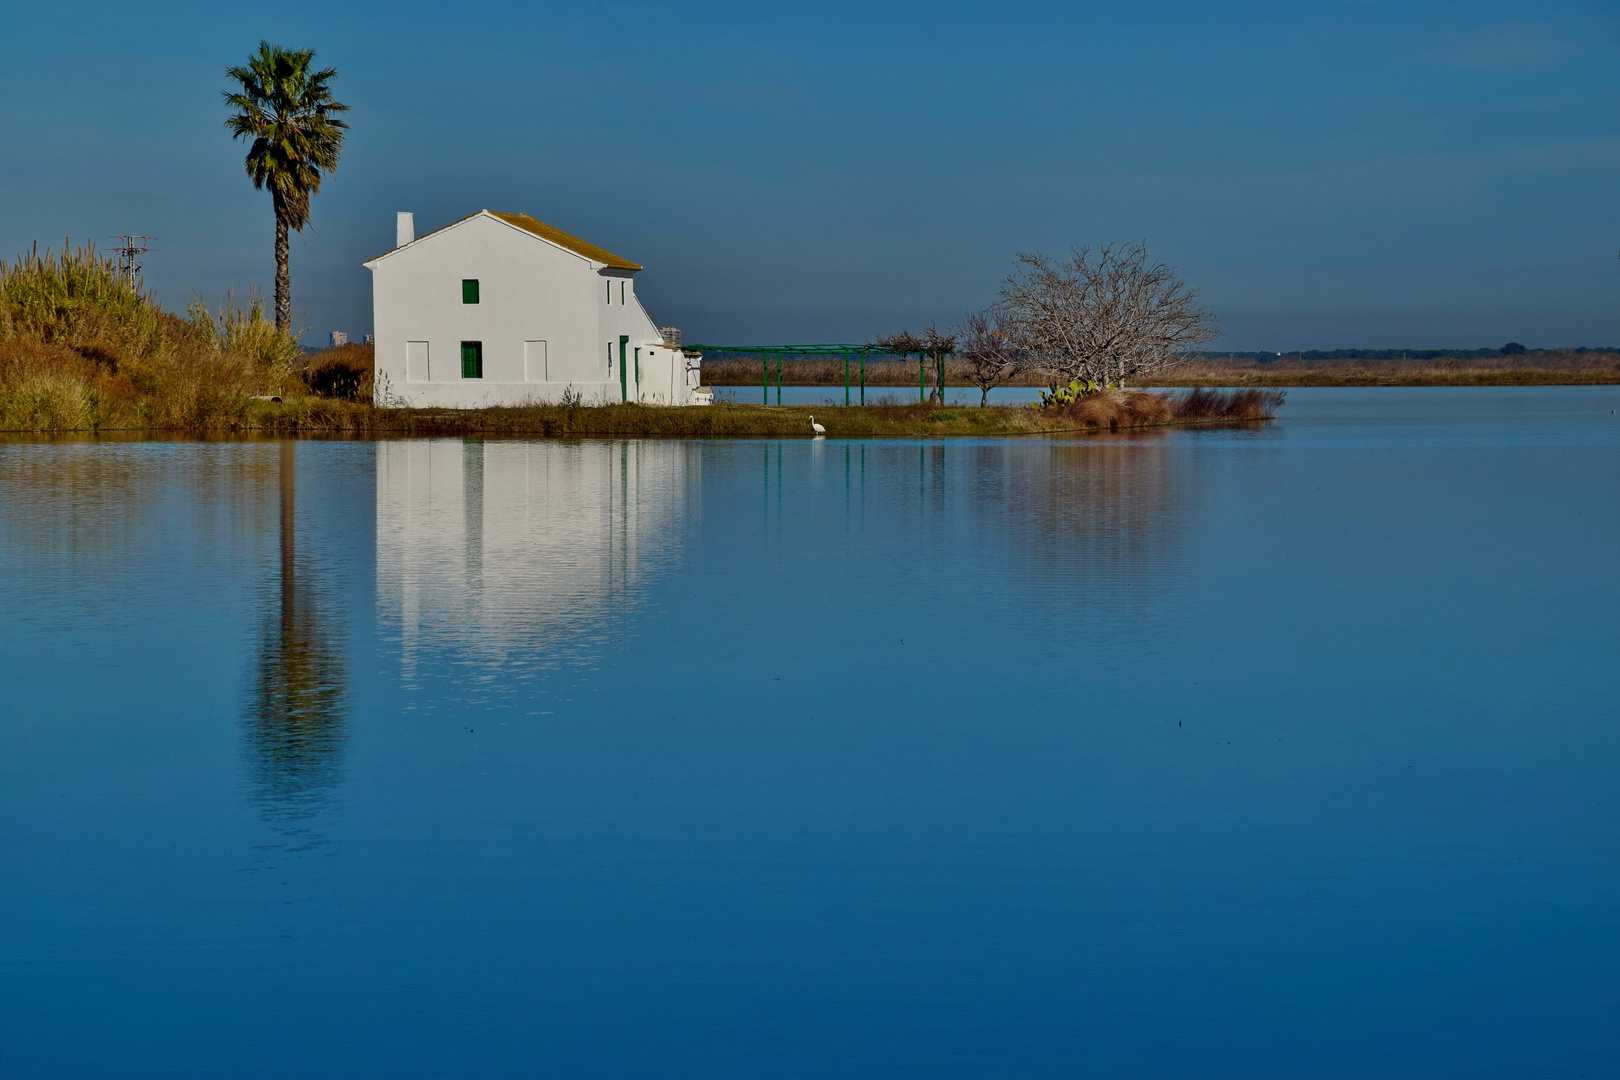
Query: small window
{"x": 472, "y": 358}
{"x": 609, "y": 285}
{"x": 469, "y": 290}
{"x": 621, "y": 292}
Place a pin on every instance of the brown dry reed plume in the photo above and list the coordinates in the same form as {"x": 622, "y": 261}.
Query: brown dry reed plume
{"x": 1115, "y": 409}
{"x": 1244, "y": 403}
{"x": 84, "y": 348}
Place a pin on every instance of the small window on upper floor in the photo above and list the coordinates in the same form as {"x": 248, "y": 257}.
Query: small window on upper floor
{"x": 621, "y": 292}
{"x": 609, "y": 285}
{"x": 469, "y": 290}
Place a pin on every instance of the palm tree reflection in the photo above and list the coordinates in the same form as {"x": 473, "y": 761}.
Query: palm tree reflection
{"x": 297, "y": 708}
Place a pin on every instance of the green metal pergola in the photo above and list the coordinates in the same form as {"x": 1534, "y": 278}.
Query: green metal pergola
{"x": 848, "y": 352}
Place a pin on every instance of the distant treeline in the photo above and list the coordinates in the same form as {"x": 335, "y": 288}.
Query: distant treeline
{"x": 1510, "y": 349}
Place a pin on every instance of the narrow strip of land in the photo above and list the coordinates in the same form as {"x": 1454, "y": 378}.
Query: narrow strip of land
{"x": 1112, "y": 411}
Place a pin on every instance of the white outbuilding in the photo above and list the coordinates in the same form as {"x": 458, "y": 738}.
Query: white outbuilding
{"x": 501, "y": 309}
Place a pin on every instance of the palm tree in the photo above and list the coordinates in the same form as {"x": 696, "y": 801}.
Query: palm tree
{"x": 287, "y": 109}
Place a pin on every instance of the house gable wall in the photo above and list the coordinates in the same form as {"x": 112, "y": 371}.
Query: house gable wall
{"x": 530, "y": 290}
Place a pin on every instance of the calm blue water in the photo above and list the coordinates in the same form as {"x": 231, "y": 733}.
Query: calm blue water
{"x": 1279, "y": 752}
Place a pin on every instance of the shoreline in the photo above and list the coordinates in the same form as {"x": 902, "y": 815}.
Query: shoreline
{"x": 1279, "y": 381}
{"x": 1130, "y": 410}
{"x": 1591, "y": 369}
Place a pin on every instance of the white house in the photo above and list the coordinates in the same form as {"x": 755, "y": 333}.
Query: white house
{"x": 501, "y": 309}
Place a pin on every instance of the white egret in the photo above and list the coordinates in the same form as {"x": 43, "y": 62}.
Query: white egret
{"x": 817, "y": 428}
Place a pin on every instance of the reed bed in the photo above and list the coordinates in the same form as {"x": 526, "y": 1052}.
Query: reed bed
{"x": 82, "y": 348}
{"x": 1562, "y": 367}
{"x": 812, "y": 371}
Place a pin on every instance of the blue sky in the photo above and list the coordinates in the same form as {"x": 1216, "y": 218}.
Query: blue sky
{"x": 1333, "y": 174}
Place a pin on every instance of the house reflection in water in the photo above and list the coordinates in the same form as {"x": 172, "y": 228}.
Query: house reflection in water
{"x": 522, "y": 552}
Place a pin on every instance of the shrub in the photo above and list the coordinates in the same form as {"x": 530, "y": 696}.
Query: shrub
{"x": 344, "y": 372}
{"x": 1067, "y": 395}
{"x": 1244, "y": 403}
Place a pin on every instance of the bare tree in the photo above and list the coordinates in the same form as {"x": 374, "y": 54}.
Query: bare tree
{"x": 1104, "y": 317}
{"x": 990, "y": 350}
{"x": 903, "y": 343}
{"x": 931, "y": 349}
{"x": 936, "y": 346}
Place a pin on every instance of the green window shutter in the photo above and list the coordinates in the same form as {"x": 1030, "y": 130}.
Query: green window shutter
{"x": 472, "y": 359}
{"x": 469, "y": 290}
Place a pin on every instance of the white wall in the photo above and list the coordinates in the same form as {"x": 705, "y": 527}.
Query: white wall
{"x": 530, "y": 291}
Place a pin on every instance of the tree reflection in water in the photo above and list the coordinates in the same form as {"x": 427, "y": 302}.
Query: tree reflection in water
{"x": 297, "y": 707}
{"x": 1100, "y": 519}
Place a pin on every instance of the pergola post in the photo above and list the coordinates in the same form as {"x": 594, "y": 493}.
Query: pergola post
{"x": 863, "y": 376}
{"x": 764, "y": 377}
{"x": 779, "y": 376}
{"x": 846, "y": 378}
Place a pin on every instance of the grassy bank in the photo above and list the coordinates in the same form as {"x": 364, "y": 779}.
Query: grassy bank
{"x": 1542, "y": 368}
{"x": 1104, "y": 412}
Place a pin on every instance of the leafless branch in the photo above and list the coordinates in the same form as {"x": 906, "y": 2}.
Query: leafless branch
{"x": 990, "y": 350}
{"x": 1103, "y": 317}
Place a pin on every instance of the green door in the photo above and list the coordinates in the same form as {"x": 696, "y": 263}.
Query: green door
{"x": 472, "y": 359}
{"x": 624, "y": 382}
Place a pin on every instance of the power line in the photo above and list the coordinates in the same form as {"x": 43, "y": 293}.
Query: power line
{"x": 129, "y": 247}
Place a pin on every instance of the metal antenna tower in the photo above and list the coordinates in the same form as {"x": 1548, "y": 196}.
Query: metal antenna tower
{"x": 129, "y": 247}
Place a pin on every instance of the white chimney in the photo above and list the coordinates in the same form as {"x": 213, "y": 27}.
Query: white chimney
{"x": 404, "y": 229}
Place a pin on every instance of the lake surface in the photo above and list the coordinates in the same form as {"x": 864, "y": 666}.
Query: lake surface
{"x": 1285, "y": 751}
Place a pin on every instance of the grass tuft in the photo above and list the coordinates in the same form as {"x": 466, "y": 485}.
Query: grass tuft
{"x": 1244, "y": 403}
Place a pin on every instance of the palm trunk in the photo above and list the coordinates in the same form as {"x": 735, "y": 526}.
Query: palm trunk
{"x": 283, "y": 279}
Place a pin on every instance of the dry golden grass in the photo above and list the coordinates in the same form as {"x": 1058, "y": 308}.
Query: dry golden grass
{"x": 1564, "y": 367}
{"x": 343, "y": 372}
{"x": 81, "y": 348}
